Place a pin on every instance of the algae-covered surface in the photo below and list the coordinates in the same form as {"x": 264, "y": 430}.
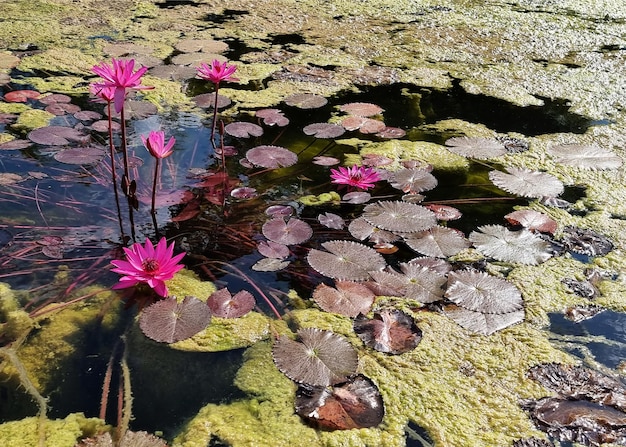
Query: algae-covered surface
{"x": 550, "y": 72}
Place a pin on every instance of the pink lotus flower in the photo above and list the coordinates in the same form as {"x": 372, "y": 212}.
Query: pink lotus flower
{"x": 121, "y": 77}
{"x": 155, "y": 143}
{"x": 148, "y": 264}
{"x": 356, "y": 176}
{"x": 106, "y": 94}
{"x": 217, "y": 72}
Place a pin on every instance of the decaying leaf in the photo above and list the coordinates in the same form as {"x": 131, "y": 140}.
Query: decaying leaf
{"x": 391, "y": 331}
{"x": 319, "y": 358}
{"x": 586, "y": 242}
{"x": 356, "y": 403}
{"x": 269, "y": 265}
{"x": 532, "y": 220}
{"x": 523, "y": 247}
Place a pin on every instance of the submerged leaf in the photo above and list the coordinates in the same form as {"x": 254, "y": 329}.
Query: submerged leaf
{"x": 390, "y": 331}
{"x": 347, "y": 298}
{"x": 586, "y": 242}
{"x": 356, "y": 403}
{"x": 523, "y": 246}
{"x": 319, "y": 358}
{"x": 170, "y": 321}
{"x": 527, "y": 183}
{"x": 399, "y": 216}
{"x": 80, "y": 155}
{"x": 269, "y": 265}
{"x": 346, "y": 260}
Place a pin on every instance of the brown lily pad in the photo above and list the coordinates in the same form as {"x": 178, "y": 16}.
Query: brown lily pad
{"x": 391, "y": 331}
{"x": 169, "y": 321}
{"x": 346, "y": 298}
{"x": 225, "y": 305}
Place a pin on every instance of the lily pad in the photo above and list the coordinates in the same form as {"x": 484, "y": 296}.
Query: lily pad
{"x": 585, "y": 157}
{"x": 474, "y": 147}
{"x": 241, "y": 129}
{"x": 523, "y": 247}
{"x": 480, "y": 292}
{"x": 480, "y": 323}
{"x": 324, "y": 130}
{"x": 412, "y": 180}
{"x": 306, "y": 101}
{"x": 532, "y": 220}
{"x": 57, "y": 136}
{"x": 346, "y": 260}
{"x": 170, "y": 321}
{"x": 320, "y": 358}
{"x": 331, "y": 220}
{"x": 390, "y": 331}
{"x": 416, "y": 282}
{"x": 527, "y": 183}
{"x": 346, "y": 298}
{"x": 80, "y": 155}
{"x": 437, "y": 242}
{"x": 271, "y": 157}
{"x": 399, "y": 216}
{"x": 272, "y": 117}
{"x": 225, "y": 305}
{"x": 290, "y": 232}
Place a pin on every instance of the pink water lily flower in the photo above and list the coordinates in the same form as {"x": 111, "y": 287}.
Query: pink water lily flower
{"x": 120, "y": 76}
{"x": 356, "y": 176}
{"x": 155, "y": 143}
{"x": 106, "y": 94}
{"x": 217, "y": 72}
{"x": 148, "y": 264}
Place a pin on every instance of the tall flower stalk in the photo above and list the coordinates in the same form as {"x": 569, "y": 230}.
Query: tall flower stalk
{"x": 119, "y": 78}
{"x": 155, "y": 143}
{"x": 216, "y": 73}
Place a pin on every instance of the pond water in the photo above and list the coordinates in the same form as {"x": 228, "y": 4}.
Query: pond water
{"x": 62, "y": 217}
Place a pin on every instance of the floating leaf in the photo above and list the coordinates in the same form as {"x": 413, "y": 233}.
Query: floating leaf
{"x": 438, "y": 265}
{"x": 279, "y": 211}
{"x": 207, "y": 100}
{"x": 346, "y": 298}
{"x": 361, "y": 229}
{"x": 21, "y": 95}
{"x": 15, "y": 144}
{"x": 585, "y": 157}
{"x": 480, "y": 292}
{"x": 346, "y": 260}
{"x": 80, "y": 155}
{"x": 57, "y": 136}
{"x": 532, "y": 220}
{"x": 438, "y": 242}
{"x": 174, "y": 72}
{"x": 201, "y": 45}
{"x": 55, "y": 98}
{"x": 399, "y": 216}
{"x": 62, "y": 109}
{"x": 225, "y": 305}
{"x": 586, "y": 242}
{"x": 331, "y": 220}
{"x": 474, "y": 147}
{"x": 416, "y": 282}
{"x": 319, "y": 358}
{"x": 324, "y": 130}
{"x": 195, "y": 59}
{"x": 241, "y": 129}
{"x": 357, "y": 197}
{"x": 269, "y": 265}
{"x": 391, "y": 133}
{"x": 362, "y": 124}
{"x": 130, "y": 439}
{"x": 271, "y": 157}
{"x": 8, "y": 178}
{"x": 290, "y": 232}
{"x": 412, "y": 180}
{"x": 480, "y": 323}
{"x": 103, "y": 126}
{"x": 272, "y": 117}
{"x": 170, "y": 321}
{"x": 390, "y": 331}
{"x": 361, "y": 109}
{"x": 527, "y": 183}
{"x": 306, "y": 101}
{"x": 87, "y": 115}
{"x": 323, "y": 160}
{"x": 271, "y": 249}
{"x": 356, "y": 403}
{"x": 523, "y": 246}
{"x": 444, "y": 212}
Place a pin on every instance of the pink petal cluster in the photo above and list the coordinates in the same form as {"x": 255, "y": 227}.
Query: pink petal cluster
{"x": 356, "y": 176}
{"x": 155, "y": 143}
{"x": 120, "y": 76}
{"x": 217, "y": 72}
{"x": 148, "y": 264}
{"x": 106, "y": 94}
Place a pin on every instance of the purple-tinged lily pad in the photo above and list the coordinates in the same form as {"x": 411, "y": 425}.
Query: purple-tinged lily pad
{"x": 398, "y": 216}
{"x": 412, "y": 180}
{"x": 279, "y": 211}
{"x": 323, "y": 160}
{"x": 55, "y": 98}
{"x": 331, "y": 220}
{"x": 271, "y": 249}
{"x": 241, "y": 129}
{"x": 270, "y": 265}
{"x": 324, "y": 130}
{"x": 169, "y": 321}
{"x": 272, "y": 117}
{"x": 306, "y": 101}
{"x": 346, "y": 260}
{"x": 391, "y": 133}
{"x": 346, "y": 298}
{"x": 362, "y": 124}
{"x": 290, "y": 232}
{"x": 357, "y": 197}
{"x": 87, "y": 115}
{"x": 103, "y": 126}
{"x": 532, "y": 220}
{"x": 244, "y": 192}
{"x": 271, "y": 157}
{"x": 225, "y": 305}
{"x": 320, "y": 358}
{"x": 57, "y": 136}
{"x": 356, "y": 403}
{"x": 361, "y": 109}
{"x": 361, "y": 229}
{"x": 415, "y": 282}
{"x": 444, "y": 212}
{"x": 390, "y": 331}
{"x": 15, "y": 144}
{"x": 207, "y": 100}
{"x": 60, "y": 109}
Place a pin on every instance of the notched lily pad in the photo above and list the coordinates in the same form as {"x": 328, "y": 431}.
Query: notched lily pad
{"x": 399, "y": 216}
{"x": 319, "y": 358}
{"x": 416, "y": 282}
{"x": 356, "y": 403}
{"x": 324, "y": 130}
{"x": 585, "y": 157}
{"x": 169, "y": 321}
{"x": 306, "y": 101}
{"x": 480, "y": 292}
{"x": 225, "y": 305}
{"x": 527, "y": 183}
{"x": 290, "y": 232}
{"x": 437, "y": 242}
{"x": 346, "y": 298}
{"x": 272, "y": 157}
{"x": 391, "y": 331}
{"x": 272, "y": 117}
{"x": 522, "y": 246}
{"x": 475, "y": 147}
{"x": 346, "y": 260}
{"x": 241, "y": 129}
{"x": 80, "y": 155}
{"x": 412, "y": 181}
{"x": 57, "y": 136}
{"x": 532, "y": 220}
{"x": 481, "y": 323}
